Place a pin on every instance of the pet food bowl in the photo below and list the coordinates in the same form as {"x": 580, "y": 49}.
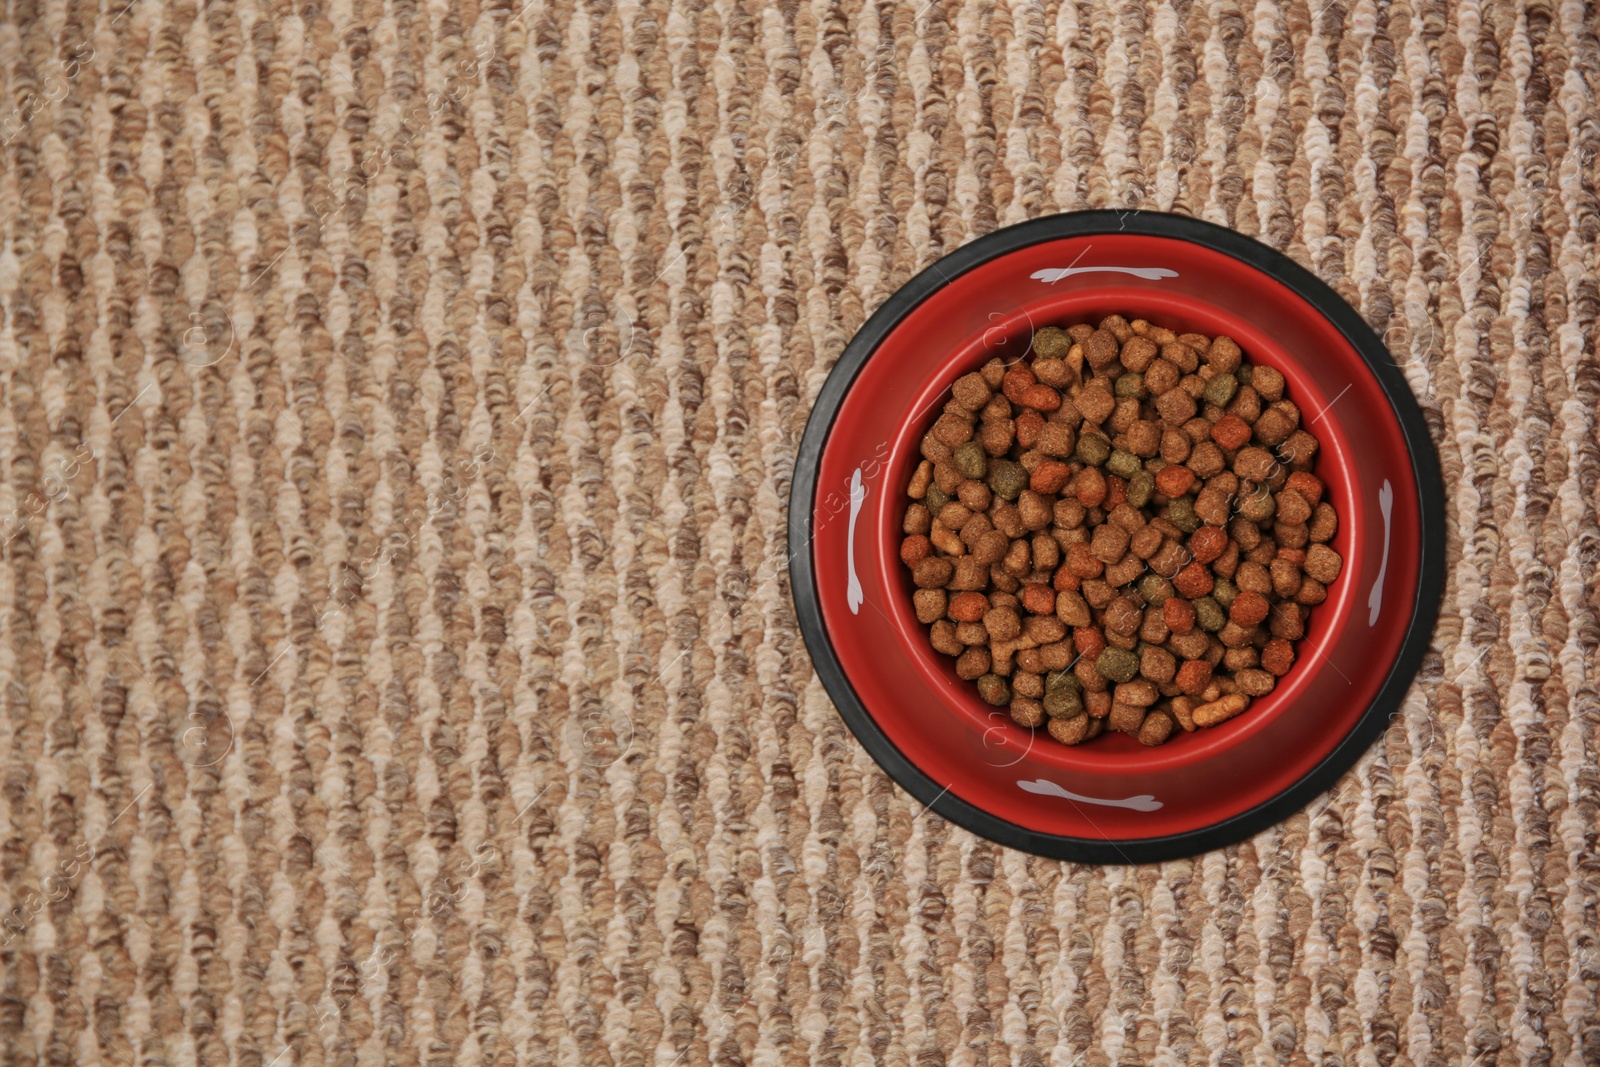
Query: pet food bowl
{"x": 1113, "y": 800}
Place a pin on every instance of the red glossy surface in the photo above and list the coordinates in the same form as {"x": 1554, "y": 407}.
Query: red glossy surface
{"x": 937, "y": 720}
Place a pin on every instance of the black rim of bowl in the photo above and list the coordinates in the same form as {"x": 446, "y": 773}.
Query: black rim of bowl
{"x": 1424, "y": 464}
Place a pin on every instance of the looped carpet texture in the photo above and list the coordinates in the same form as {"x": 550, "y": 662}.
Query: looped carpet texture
{"x": 398, "y": 405}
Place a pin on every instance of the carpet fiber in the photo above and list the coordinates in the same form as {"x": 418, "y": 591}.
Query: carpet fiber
{"x": 398, "y": 405}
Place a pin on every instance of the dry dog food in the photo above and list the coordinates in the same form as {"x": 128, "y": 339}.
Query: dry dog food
{"x": 1121, "y": 533}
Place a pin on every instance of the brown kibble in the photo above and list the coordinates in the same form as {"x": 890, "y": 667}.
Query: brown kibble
{"x": 1180, "y": 355}
{"x": 1220, "y": 710}
{"x": 1157, "y": 664}
{"x": 1057, "y": 440}
{"x": 1292, "y": 508}
{"x": 1138, "y": 353}
{"x": 1255, "y": 683}
{"x": 1254, "y": 463}
{"x": 1140, "y": 693}
{"x": 969, "y": 574}
{"x": 1175, "y": 407}
{"x": 1206, "y": 460}
{"x": 1082, "y": 561}
{"x": 1323, "y": 563}
{"x": 1286, "y": 578}
{"x": 1109, "y": 543}
{"x": 1055, "y": 372}
{"x": 1072, "y": 609}
{"x": 1071, "y": 731}
{"x": 972, "y": 633}
{"x": 917, "y": 520}
{"x": 1101, "y": 349}
{"x": 991, "y": 548}
{"x": 971, "y": 392}
{"x": 1034, "y": 510}
{"x": 946, "y": 540}
{"x": 1122, "y": 617}
{"x": 1193, "y": 677}
{"x": 921, "y": 478}
{"x": 1125, "y": 570}
{"x": 1312, "y": 593}
{"x": 1171, "y": 557}
{"x": 1249, "y": 608}
{"x": 1019, "y": 560}
{"x": 1268, "y": 382}
{"x": 1145, "y": 542}
{"x": 953, "y": 430}
{"x": 1223, "y": 355}
{"x": 1125, "y": 718}
{"x": 1019, "y": 378}
{"x": 1230, "y": 432}
{"x": 932, "y": 573}
{"x": 1161, "y": 378}
{"x": 1156, "y": 729}
{"x": 973, "y": 663}
{"x": 1095, "y": 402}
{"x": 1324, "y": 524}
{"x": 1273, "y": 427}
{"x": 929, "y": 604}
{"x": 1003, "y": 624}
{"x": 1025, "y": 711}
{"x": 942, "y": 635}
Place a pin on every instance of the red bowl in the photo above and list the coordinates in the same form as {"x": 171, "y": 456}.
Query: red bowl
{"x": 1113, "y": 800}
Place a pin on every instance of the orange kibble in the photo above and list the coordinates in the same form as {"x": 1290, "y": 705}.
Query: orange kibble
{"x": 1029, "y": 425}
{"x": 1207, "y": 543}
{"x": 1193, "y": 677}
{"x": 1040, "y": 398}
{"x": 1091, "y": 487}
{"x": 1278, "y": 656}
{"x": 1231, "y": 432}
{"x": 1082, "y": 561}
{"x": 1065, "y": 580}
{"x": 1178, "y": 614}
{"x": 915, "y": 549}
{"x": 1039, "y": 599}
{"x": 968, "y": 607}
{"x": 1049, "y": 476}
{"x": 1116, "y": 492}
{"x": 1194, "y": 580}
{"x": 1089, "y": 641}
{"x": 1016, "y": 382}
{"x": 1175, "y": 480}
{"x": 1307, "y": 485}
{"x": 1248, "y": 608}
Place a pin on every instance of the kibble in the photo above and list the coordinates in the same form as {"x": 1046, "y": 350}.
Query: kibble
{"x": 1122, "y": 534}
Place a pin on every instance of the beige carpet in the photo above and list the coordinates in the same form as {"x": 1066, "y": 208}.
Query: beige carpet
{"x": 398, "y": 404}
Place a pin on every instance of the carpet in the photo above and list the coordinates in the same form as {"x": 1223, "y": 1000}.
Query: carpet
{"x": 398, "y": 405}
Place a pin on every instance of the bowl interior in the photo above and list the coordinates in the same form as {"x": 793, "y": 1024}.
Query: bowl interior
{"x": 935, "y": 718}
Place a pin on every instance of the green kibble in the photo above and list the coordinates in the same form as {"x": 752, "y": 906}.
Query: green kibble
{"x": 1128, "y": 385}
{"x": 1092, "y": 450}
{"x": 1209, "y": 614}
{"x": 1155, "y": 589}
{"x": 1220, "y": 389}
{"x": 1117, "y": 664}
{"x": 935, "y": 498}
{"x": 1123, "y": 464}
{"x": 1223, "y": 592}
{"x": 1181, "y": 514}
{"x": 1063, "y": 702}
{"x": 971, "y": 460}
{"x": 1258, "y": 505}
{"x": 994, "y": 690}
{"x": 1057, "y": 679}
{"x": 1243, "y": 373}
{"x": 1007, "y": 479}
{"x": 1140, "y": 486}
{"x": 1052, "y": 342}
